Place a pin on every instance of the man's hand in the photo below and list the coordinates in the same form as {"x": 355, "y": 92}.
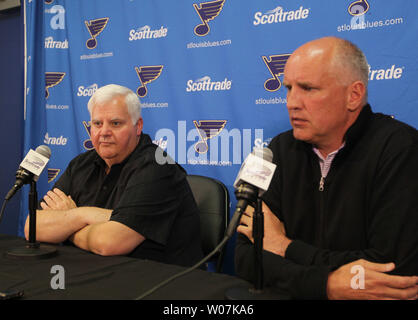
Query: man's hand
{"x": 275, "y": 239}
{"x": 376, "y": 284}
{"x": 57, "y": 200}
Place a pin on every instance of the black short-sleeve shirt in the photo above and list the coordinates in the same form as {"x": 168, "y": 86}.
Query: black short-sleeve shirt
{"x": 153, "y": 199}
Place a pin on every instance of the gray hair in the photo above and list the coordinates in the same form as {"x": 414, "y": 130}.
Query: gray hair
{"x": 353, "y": 61}
{"x": 106, "y": 93}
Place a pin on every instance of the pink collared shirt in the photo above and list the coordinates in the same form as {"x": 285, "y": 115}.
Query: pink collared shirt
{"x": 325, "y": 163}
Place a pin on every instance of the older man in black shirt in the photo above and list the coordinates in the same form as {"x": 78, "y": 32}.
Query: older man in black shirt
{"x": 118, "y": 199}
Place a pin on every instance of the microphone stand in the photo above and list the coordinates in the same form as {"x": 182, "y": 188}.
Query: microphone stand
{"x": 258, "y": 235}
{"x": 32, "y": 249}
{"x": 255, "y": 292}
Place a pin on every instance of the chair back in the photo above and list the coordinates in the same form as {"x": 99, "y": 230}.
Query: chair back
{"x": 212, "y": 198}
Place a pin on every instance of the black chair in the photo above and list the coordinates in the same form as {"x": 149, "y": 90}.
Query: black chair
{"x": 212, "y": 199}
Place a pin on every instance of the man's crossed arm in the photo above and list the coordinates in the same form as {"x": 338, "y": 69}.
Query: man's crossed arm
{"x": 88, "y": 228}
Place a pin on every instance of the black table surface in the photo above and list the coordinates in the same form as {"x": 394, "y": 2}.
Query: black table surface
{"x": 90, "y": 276}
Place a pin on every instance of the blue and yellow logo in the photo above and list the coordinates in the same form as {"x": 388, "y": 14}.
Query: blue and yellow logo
{"x": 275, "y": 64}
{"x": 95, "y": 27}
{"x": 358, "y": 8}
{"x": 87, "y": 144}
{"x": 51, "y": 80}
{"x": 52, "y": 174}
{"x": 207, "y": 11}
{"x": 147, "y": 74}
{"x": 207, "y": 130}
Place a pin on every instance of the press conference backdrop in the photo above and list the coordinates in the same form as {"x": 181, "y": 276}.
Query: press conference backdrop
{"x": 208, "y": 73}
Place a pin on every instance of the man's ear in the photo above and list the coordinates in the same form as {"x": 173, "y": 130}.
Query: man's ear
{"x": 356, "y": 96}
{"x": 139, "y": 126}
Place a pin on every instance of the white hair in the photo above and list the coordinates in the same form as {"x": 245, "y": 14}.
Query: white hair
{"x": 106, "y": 93}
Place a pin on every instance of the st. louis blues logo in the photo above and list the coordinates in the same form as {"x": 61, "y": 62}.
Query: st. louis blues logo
{"x": 95, "y": 27}
{"x": 147, "y": 74}
{"x": 52, "y": 79}
{"x": 52, "y": 174}
{"x": 87, "y": 144}
{"x": 207, "y": 12}
{"x": 358, "y": 8}
{"x": 207, "y": 129}
{"x": 275, "y": 64}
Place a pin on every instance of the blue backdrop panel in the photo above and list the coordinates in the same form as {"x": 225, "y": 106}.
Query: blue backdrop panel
{"x": 208, "y": 73}
{"x": 11, "y": 121}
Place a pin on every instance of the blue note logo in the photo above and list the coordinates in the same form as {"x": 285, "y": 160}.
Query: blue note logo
{"x": 207, "y": 11}
{"x": 52, "y": 174}
{"x": 147, "y": 74}
{"x": 87, "y": 144}
{"x": 275, "y": 64}
{"x": 95, "y": 27}
{"x": 207, "y": 130}
{"x": 51, "y": 80}
{"x": 358, "y": 8}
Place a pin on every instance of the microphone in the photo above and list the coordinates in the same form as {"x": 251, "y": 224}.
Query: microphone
{"x": 30, "y": 168}
{"x": 29, "y": 171}
{"x": 252, "y": 181}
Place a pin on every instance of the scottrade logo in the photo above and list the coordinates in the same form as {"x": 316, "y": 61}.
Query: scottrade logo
{"x": 207, "y": 11}
{"x": 207, "y": 130}
{"x": 385, "y": 74}
{"x": 51, "y": 80}
{"x": 206, "y": 84}
{"x": 56, "y": 141}
{"x": 145, "y": 32}
{"x": 51, "y": 43}
{"x": 275, "y": 64}
{"x": 278, "y": 15}
{"x": 95, "y": 27}
{"x": 87, "y": 91}
{"x": 147, "y": 74}
{"x": 358, "y": 8}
